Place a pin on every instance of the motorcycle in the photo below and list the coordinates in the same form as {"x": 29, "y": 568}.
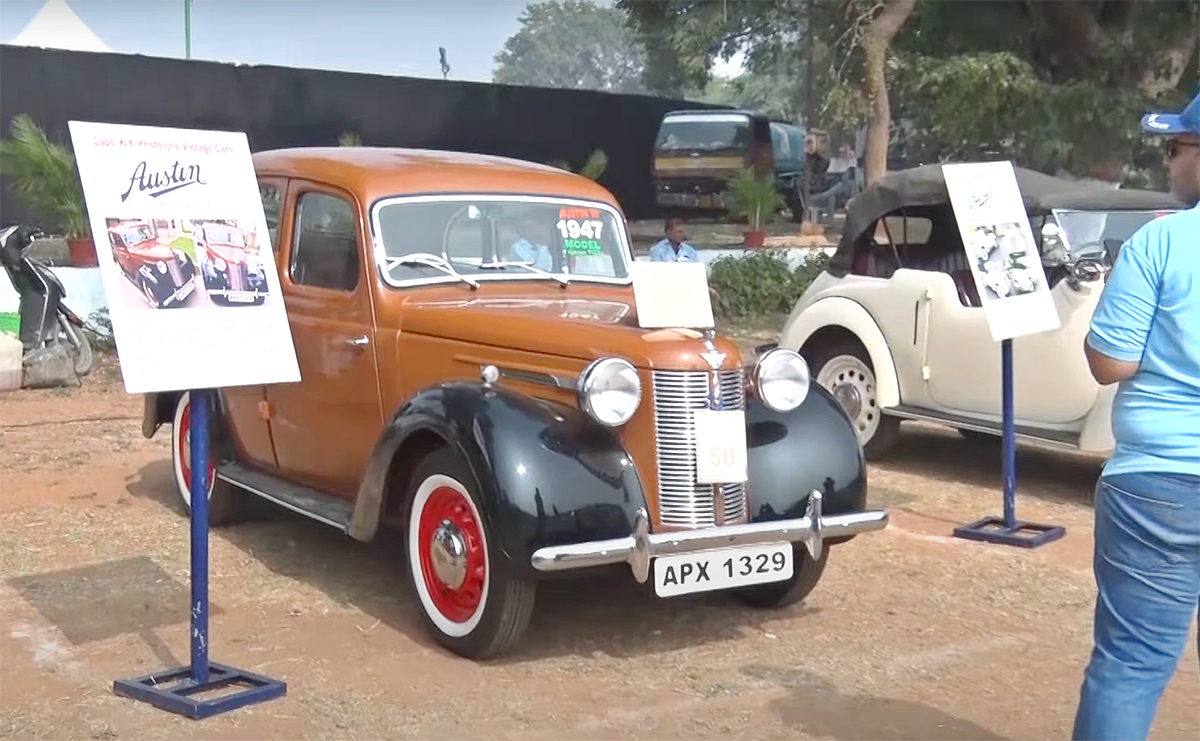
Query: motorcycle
{"x": 45, "y": 319}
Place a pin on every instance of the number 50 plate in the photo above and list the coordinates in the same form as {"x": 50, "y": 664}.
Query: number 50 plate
{"x": 722, "y": 568}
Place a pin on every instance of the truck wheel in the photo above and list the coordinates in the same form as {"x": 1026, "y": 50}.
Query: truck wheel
{"x": 786, "y": 593}
{"x": 469, "y": 601}
{"x": 844, "y": 369}
{"x": 225, "y": 501}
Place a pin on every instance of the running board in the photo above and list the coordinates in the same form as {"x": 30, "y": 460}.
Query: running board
{"x": 300, "y": 499}
{"x": 1069, "y": 440}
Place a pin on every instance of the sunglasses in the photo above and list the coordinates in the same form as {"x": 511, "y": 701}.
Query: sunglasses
{"x": 1174, "y": 147}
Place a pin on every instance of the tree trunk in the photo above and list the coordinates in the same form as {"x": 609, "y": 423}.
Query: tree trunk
{"x": 876, "y": 41}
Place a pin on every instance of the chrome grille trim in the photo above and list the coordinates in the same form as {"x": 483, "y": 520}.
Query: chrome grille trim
{"x": 237, "y": 277}
{"x": 175, "y": 273}
{"x": 681, "y": 501}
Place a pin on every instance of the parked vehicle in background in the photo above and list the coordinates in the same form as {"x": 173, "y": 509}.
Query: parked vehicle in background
{"x": 696, "y": 153}
{"x": 164, "y": 275}
{"x": 233, "y": 273}
{"x": 895, "y": 330}
{"x": 516, "y": 423}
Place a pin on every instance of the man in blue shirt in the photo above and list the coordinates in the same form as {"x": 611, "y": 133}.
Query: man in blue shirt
{"x": 672, "y": 247}
{"x": 526, "y": 248}
{"x": 1145, "y": 335}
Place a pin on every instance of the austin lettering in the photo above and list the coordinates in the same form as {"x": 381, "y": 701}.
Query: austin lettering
{"x": 156, "y": 184}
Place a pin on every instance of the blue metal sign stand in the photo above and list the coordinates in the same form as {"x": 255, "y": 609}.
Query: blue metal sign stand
{"x": 178, "y": 690}
{"x": 1008, "y": 530}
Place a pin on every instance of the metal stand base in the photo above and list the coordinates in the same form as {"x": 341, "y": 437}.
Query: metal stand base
{"x": 1023, "y": 534}
{"x": 175, "y": 691}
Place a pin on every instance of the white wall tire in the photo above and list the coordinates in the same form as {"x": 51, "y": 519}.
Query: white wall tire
{"x": 470, "y": 604}
{"x": 224, "y": 500}
{"x": 845, "y": 371}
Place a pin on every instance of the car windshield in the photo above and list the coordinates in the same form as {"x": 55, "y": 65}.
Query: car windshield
{"x": 137, "y": 234}
{"x": 224, "y": 235}
{"x": 704, "y": 134}
{"x": 435, "y": 238}
{"x": 1092, "y": 232}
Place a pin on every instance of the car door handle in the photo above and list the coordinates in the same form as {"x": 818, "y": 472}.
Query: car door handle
{"x": 358, "y": 342}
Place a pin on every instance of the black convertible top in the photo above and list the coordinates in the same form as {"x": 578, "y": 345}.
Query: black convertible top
{"x": 925, "y": 186}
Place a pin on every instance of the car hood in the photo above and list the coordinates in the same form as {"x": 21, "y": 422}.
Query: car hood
{"x": 152, "y": 250}
{"x": 228, "y": 253}
{"x": 585, "y": 328}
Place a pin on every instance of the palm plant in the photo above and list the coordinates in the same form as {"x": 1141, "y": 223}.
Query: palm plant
{"x": 595, "y": 166}
{"x": 45, "y": 175}
{"x": 757, "y": 199}
{"x": 349, "y": 139}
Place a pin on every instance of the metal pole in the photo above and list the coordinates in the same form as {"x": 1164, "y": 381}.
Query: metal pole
{"x": 1010, "y": 443}
{"x": 187, "y": 29}
{"x": 198, "y": 430}
{"x": 808, "y": 107}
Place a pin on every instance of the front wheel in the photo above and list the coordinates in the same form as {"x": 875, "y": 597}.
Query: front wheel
{"x": 786, "y": 593}
{"x": 845, "y": 370}
{"x": 77, "y": 345}
{"x": 469, "y": 601}
{"x": 226, "y": 502}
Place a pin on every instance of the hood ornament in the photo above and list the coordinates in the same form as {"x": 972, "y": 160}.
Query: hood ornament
{"x": 714, "y": 359}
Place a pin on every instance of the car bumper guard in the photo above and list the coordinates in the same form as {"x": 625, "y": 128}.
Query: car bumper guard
{"x": 639, "y": 548}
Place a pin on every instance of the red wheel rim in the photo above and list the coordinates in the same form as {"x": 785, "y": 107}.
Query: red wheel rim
{"x": 447, "y": 504}
{"x": 185, "y": 450}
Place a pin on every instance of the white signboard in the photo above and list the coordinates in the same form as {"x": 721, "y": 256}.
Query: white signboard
{"x": 671, "y": 294}
{"x": 185, "y": 257}
{"x": 1000, "y": 248}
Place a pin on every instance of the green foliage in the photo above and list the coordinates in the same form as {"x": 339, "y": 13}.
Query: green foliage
{"x": 572, "y": 44}
{"x": 44, "y": 174}
{"x": 349, "y": 139}
{"x": 597, "y": 163}
{"x": 100, "y": 332}
{"x": 756, "y": 199}
{"x": 760, "y": 283}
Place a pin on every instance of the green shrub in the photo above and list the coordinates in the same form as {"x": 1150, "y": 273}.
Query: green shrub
{"x": 760, "y": 283}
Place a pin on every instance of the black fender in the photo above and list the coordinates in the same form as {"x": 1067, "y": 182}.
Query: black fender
{"x": 792, "y": 453}
{"x": 547, "y": 475}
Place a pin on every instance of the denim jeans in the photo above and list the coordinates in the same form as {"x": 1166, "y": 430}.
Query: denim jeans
{"x": 1147, "y": 568}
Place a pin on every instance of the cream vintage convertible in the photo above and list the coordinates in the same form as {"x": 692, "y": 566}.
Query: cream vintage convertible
{"x": 894, "y": 327}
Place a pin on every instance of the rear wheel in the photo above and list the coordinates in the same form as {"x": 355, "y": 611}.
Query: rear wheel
{"x": 844, "y": 369}
{"x": 786, "y": 593}
{"x": 226, "y": 502}
{"x": 469, "y": 601}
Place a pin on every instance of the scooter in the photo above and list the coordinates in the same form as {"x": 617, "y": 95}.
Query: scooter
{"x": 45, "y": 319}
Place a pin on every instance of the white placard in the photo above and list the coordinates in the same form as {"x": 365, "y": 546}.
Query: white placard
{"x": 185, "y": 257}
{"x": 671, "y": 294}
{"x": 720, "y": 446}
{"x": 1000, "y": 248}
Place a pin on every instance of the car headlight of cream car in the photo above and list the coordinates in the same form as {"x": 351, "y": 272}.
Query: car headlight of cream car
{"x": 609, "y": 391}
{"x": 782, "y": 379}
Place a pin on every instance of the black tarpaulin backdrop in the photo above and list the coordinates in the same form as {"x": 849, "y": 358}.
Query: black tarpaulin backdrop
{"x": 288, "y": 107}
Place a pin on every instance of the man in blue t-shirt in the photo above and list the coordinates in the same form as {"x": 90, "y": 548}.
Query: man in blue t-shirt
{"x": 1145, "y": 335}
{"x": 673, "y": 247}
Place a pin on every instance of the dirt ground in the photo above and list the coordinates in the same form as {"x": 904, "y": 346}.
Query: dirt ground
{"x": 911, "y": 634}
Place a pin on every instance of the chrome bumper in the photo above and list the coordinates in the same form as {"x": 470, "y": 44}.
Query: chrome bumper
{"x": 639, "y": 548}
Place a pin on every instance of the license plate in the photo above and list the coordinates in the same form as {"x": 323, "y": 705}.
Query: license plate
{"x": 242, "y": 297}
{"x": 720, "y": 446}
{"x": 723, "y": 568}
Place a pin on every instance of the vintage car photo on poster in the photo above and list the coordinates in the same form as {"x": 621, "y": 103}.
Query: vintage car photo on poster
{"x": 230, "y": 262}
{"x": 155, "y": 257}
{"x": 1005, "y": 259}
{"x": 474, "y": 376}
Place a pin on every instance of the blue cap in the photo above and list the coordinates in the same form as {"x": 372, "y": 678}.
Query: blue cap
{"x": 1186, "y": 121}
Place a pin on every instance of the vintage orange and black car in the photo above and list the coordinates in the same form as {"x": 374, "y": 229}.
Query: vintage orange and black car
{"x": 165, "y": 275}
{"x": 233, "y": 273}
{"x": 517, "y": 423}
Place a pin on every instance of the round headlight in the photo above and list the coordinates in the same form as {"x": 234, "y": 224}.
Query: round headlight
{"x": 782, "y": 379}
{"x": 218, "y": 263}
{"x": 609, "y": 391}
{"x": 162, "y": 267}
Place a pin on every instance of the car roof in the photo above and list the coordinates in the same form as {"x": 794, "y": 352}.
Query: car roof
{"x": 376, "y": 172}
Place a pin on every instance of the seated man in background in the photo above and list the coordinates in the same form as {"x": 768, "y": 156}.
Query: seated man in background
{"x": 527, "y": 248}
{"x": 672, "y": 247}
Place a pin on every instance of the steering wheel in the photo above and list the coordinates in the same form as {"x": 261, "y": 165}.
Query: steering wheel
{"x": 1090, "y": 267}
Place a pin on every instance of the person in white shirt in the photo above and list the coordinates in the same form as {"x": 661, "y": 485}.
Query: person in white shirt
{"x": 673, "y": 247}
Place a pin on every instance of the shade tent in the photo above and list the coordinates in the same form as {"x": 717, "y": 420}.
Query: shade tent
{"x": 57, "y": 27}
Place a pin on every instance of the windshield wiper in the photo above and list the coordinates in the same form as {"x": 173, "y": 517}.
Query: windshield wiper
{"x": 428, "y": 260}
{"x": 562, "y": 279}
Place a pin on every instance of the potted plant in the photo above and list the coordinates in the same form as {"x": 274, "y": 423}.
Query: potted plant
{"x": 44, "y": 174}
{"x": 758, "y": 200}
{"x": 597, "y": 163}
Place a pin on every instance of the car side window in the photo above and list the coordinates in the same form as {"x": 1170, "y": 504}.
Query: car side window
{"x": 272, "y": 201}
{"x": 325, "y": 245}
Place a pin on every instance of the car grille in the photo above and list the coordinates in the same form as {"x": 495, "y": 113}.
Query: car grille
{"x": 237, "y": 277}
{"x": 175, "y": 273}
{"x": 681, "y": 501}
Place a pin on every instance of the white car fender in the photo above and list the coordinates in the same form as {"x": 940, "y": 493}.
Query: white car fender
{"x": 837, "y": 311}
{"x": 1096, "y": 435}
